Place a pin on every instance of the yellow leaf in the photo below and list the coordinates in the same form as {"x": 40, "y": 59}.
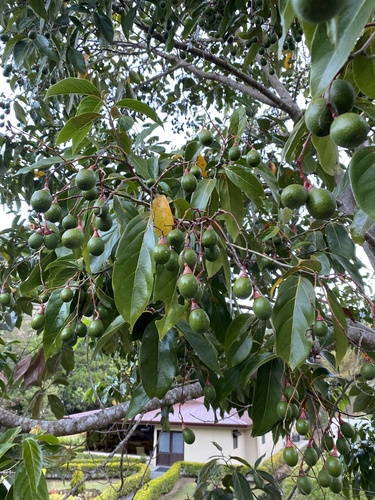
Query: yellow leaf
{"x": 202, "y": 164}
{"x": 286, "y": 61}
{"x": 272, "y": 167}
{"x": 39, "y": 173}
{"x": 162, "y": 215}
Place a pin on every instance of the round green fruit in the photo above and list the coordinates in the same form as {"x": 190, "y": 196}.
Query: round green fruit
{"x": 211, "y": 253}
{"x": 67, "y": 333}
{"x": 333, "y": 466}
{"x": 95, "y": 328}
{"x": 66, "y": 294}
{"x": 189, "y": 257}
{"x": 188, "y": 286}
{"x": 295, "y": 411}
{"x": 290, "y": 456}
{"x": 205, "y": 137}
{"x": 176, "y": 238}
{"x": 209, "y": 238}
{"x": 342, "y": 95}
{"x": 304, "y": 484}
{"x": 104, "y": 223}
{"x": 54, "y": 213}
{"x": 161, "y": 253}
{"x": 51, "y": 241}
{"x": 101, "y": 208}
{"x": 90, "y": 194}
{"x": 262, "y": 308}
{"x": 291, "y": 392}
{"x": 347, "y": 430}
{"x": 69, "y": 222}
{"x": 95, "y": 246}
{"x": 283, "y": 410}
{"x": 37, "y": 321}
{"x": 189, "y": 183}
{"x": 302, "y": 426}
{"x": 342, "y": 445}
{"x": 196, "y": 171}
{"x": 41, "y": 200}
{"x": 253, "y": 158}
{"x": 318, "y": 117}
{"x": 336, "y": 485}
{"x": 234, "y": 153}
{"x": 349, "y": 130}
{"x": 72, "y": 238}
{"x": 35, "y": 241}
{"x": 81, "y": 329}
{"x": 4, "y": 298}
{"x": 321, "y": 203}
{"x": 33, "y": 34}
{"x": 311, "y": 456}
{"x": 85, "y": 179}
{"x": 368, "y": 371}
{"x": 294, "y": 196}
{"x": 199, "y": 320}
{"x": 209, "y": 392}
{"x": 172, "y": 263}
{"x": 242, "y": 287}
{"x": 324, "y": 479}
{"x": 188, "y": 436}
{"x": 311, "y": 12}
{"x": 320, "y": 328}
{"x": 327, "y": 442}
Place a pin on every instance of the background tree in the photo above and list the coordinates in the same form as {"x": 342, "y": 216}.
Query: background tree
{"x": 222, "y": 264}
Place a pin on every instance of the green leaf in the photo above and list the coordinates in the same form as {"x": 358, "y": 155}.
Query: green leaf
{"x": 328, "y": 153}
{"x": 294, "y": 143}
{"x": 21, "y": 487}
{"x": 292, "y": 315}
{"x": 238, "y": 339}
{"x": 137, "y": 403}
{"x": 238, "y": 122}
{"x": 362, "y": 402}
{"x": 33, "y": 460}
{"x": 247, "y": 182}
{"x": 38, "y": 8}
{"x": 173, "y": 312}
{"x": 56, "y": 406}
{"x": 339, "y": 242}
{"x": 203, "y": 348}
{"x": 231, "y": 201}
{"x": 56, "y": 313}
{"x": 241, "y": 486}
{"x": 363, "y": 66}
{"x": 111, "y": 330}
{"x": 104, "y": 25}
{"x": 267, "y": 394}
{"x": 77, "y": 128}
{"x": 201, "y": 196}
{"x": 253, "y": 364}
{"x": 361, "y": 223}
{"x": 191, "y": 151}
{"x": 139, "y": 107}
{"x": 44, "y": 46}
{"x": 287, "y": 16}
{"x": 76, "y": 58}
{"x": 158, "y": 361}
{"x": 339, "y": 324}
{"x": 134, "y": 267}
{"x": 362, "y": 179}
{"x": 329, "y": 54}
{"x": 73, "y": 86}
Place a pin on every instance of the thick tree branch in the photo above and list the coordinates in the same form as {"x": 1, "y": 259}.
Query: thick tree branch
{"x": 361, "y": 335}
{"x": 75, "y": 425}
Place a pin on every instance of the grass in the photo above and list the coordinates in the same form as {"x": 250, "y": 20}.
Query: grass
{"x": 97, "y": 484}
{"x": 183, "y": 490}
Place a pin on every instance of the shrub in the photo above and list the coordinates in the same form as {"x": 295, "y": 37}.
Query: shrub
{"x": 77, "y": 477}
{"x": 160, "y": 485}
{"x": 130, "y": 484}
{"x": 190, "y": 469}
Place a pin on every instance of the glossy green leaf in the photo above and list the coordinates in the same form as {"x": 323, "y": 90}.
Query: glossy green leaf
{"x": 339, "y": 241}
{"x": 73, "y": 86}
{"x": 241, "y": 486}
{"x": 56, "y": 405}
{"x": 137, "y": 403}
{"x": 111, "y": 330}
{"x": 139, "y": 107}
{"x": 44, "y": 46}
{"x": 202, "y": 195}
{"x": 339, "y": 324}
{"x": 292, "y": 315}
{"x": 77, "y": 128}
{"x": 33, "y": 460}
{"x": 134, "y": 267}
{"x": 328, "y": 153}
{"x": 361, "y": 223}
{"x": 77, "y": 59}
{"x": 253, "y": 363}
{"x": 363, "y": 402}
{"x": 56, "y": 313}
{"x": 267, "y": 394}
{"x": 22, "y": 487}
{"x": 294, "y": 143}
{"x": 38, "y": 8}
{"x": 104, "y": 26}
{"x": 231, "y": 201}
{"x": 158, "y": 361}
{"x": 238, "y": 339}
{"x": 191, "y": 150}
{"x": 287, "y": 16}
{"x": 247, "y": 182}
{"x": 201, "y": 345}
{"x": 229, "y": 382}
{"x": 363, "y": 66}
{"x": 238, "y": 122}
{"x": 362, "y": 179}
{"x": 329, "y": 53}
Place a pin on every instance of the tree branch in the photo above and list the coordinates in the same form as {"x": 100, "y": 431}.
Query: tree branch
{"x": 361, "y": 335}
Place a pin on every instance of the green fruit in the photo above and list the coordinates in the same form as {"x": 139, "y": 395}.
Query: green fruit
{"x": 242, "y": 287}
{"x": 347, "y": 430}
{"x": 35, "y": 241}
{"x": 32, "y": 34}
{"x": 290, "y": 393}
{"x": 103, "y": 311}
{"x": 304, "y": 485}
{"x": 205, "y": 137}
{"x": 209, "y": 393}
{"x": 188, "y": 286}
{"x": 318, "y": 117}
{"x": 37, "y": 321}
{"x": 199, "y": 320}
{"x": 321, "y": 203}
{"x": 85, "y": 179}
{"x": 67, "y": 333}
{"x": 81, "y": 329}
{"x": 101, "y": 208}
{"x": 104, "y": 223}
{"x": 310, "y": 457}
{"x": 212, "y": 253}
{"x": 189, "y": 183}
{"x": 262, "y": 308}
{"x": 324, "y": 479}
{"x": 54, "y": 213}
{"x": 161, "y": 253}
{"x": 41, "y": 200}
{"x": 327, "y": 442}
{"x": 342, "y": 445}
{"x": 302, "y": 426}
{"x": 95, "y": 245}
{"x": 95, "y": 328}
{"x": 69, "y": 222}
{"x": 349, "y": 130}
{"x": 342, "y": 95}
{"x": 294, "y": 196}
{"x": 51, "y": 241}
{"x": 295, "y": 411}
{"x": 172, "y": 263}
{"x": 90, "y": 194}
{"x": 336, "y": 485}
{"x": 176, "y": 238}
{"x": 253, "y": 158}
{"x": 188, "y": 256}
{"x": 66, "y": 294}
{"x": 333, "y": 466}
{"x": 209, "y": 238}
{"x": 313, "y": 13}
{"x": 368, "y": 371}
{"x": 4, "y": 298}
{"x": 234, "y": 153}
{"x": 196, "y": 171}
{"x": 283, "y": 410}
{"x": 290, "y": 456}
{"x": 72, "y": 238}
{"x": 320, "y": 328}
{"x": 188, "y": 436}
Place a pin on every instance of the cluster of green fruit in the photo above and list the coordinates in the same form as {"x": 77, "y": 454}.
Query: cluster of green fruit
{"x": 319, "y": 202}
{"x": 332, "y": 115}
{"x": 242, "y": 289}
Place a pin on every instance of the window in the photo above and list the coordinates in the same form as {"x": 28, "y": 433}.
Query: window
{"x": 235, "y": 438}
{"x": 263, "y": 439}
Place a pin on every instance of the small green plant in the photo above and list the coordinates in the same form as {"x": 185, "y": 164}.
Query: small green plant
{"x": 77, "y": 477}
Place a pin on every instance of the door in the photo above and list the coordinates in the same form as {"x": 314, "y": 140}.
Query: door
{"x": 170, "y": 448}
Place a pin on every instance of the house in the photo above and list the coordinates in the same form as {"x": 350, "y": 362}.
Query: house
{"x": 232, "y": 433}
